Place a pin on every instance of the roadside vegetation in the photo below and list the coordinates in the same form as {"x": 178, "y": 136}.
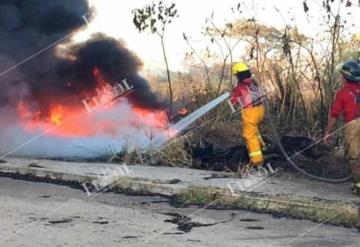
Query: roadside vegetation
{"x": 297, "y": 71}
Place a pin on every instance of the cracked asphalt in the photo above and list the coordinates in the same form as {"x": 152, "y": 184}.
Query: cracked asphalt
{"x": 40, "y": 214}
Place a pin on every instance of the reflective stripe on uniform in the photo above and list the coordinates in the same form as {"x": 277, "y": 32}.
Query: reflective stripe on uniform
{"x": 261, "y": 140}
{"x": 257, "y": 153}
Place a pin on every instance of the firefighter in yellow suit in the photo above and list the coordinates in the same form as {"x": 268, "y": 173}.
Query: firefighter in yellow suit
{"x": 248, "y": 96}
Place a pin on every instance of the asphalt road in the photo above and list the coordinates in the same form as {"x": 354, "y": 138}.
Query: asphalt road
{"x": 39, "y": 214}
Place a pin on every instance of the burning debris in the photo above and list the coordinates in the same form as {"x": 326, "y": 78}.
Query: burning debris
{"x": 106, "y": 94}
{"x": 97, "y": 65}
{"x": 317, "y": 159}
{"x": 183, "y": 112}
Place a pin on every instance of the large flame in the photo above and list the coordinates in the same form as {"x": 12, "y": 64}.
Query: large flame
{"x": 76, "y": 121}
{"x": 157, "y": 119}
{"x": 65, "y": 121}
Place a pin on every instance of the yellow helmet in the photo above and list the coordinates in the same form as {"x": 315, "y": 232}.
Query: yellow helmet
{"x": 239, "y": 67}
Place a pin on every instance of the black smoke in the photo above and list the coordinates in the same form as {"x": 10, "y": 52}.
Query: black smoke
{"x": 28, "y": 26}
{"x": 113, "y": 60}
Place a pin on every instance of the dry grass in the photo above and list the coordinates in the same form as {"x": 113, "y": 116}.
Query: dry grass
{"x": 175, "y": 153}
{"x": 129, "y": 156}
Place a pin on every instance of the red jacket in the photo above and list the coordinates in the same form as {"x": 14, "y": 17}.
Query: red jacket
{"x": 247, "y": 94}
{"x": 347, "y": 102}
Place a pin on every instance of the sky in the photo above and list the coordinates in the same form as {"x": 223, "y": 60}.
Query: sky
{"x": 114, "y": 18}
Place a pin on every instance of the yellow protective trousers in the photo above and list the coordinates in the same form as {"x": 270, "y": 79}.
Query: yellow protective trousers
{"x": 352, "y": 148}
{"x": 252, "y": 117}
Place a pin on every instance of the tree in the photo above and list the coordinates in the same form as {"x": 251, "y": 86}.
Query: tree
{"x": 155, "y": 18}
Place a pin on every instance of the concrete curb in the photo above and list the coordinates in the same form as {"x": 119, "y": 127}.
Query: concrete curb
{"x": 318, "y": 210}
{"x": 331, "y": 212}
{"x": 122, "y": 184}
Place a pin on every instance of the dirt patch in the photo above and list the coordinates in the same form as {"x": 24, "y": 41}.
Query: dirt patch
{"x": 185, "y": 223}
{"x": 62, "y": 221}
{"x": 129, "y": 237}
{"x": 249, "y": 220}
{"x": 220, "y": 175}
{"x": 34, "y": 165}
{"x": 316, "y": 159}
{"x": 173, "y": 181}
{"x": 45, "y": 196}
{"x": 154, "y": 202}
{"x": 101, "y": 222}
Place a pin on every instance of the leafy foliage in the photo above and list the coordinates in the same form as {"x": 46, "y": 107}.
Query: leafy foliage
{"x": 154, "y": 17}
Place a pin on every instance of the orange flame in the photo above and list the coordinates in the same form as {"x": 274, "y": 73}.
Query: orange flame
{"x": 75, "y": 121}
{"x": 183, "y": 111}
{"x": 56, "y": 114}
{"x": 156, "y": 118}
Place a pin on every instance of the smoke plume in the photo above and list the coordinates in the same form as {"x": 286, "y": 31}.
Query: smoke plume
{"x": 30, "y": 25}
{"x": 47, "y": 77}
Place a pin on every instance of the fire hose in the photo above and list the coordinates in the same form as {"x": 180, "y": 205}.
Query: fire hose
{"x": 289, "y": 159}
{"x": 158, "y": 142}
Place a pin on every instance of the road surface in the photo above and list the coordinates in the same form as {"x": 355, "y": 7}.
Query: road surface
{"x": 40, "y": 214}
